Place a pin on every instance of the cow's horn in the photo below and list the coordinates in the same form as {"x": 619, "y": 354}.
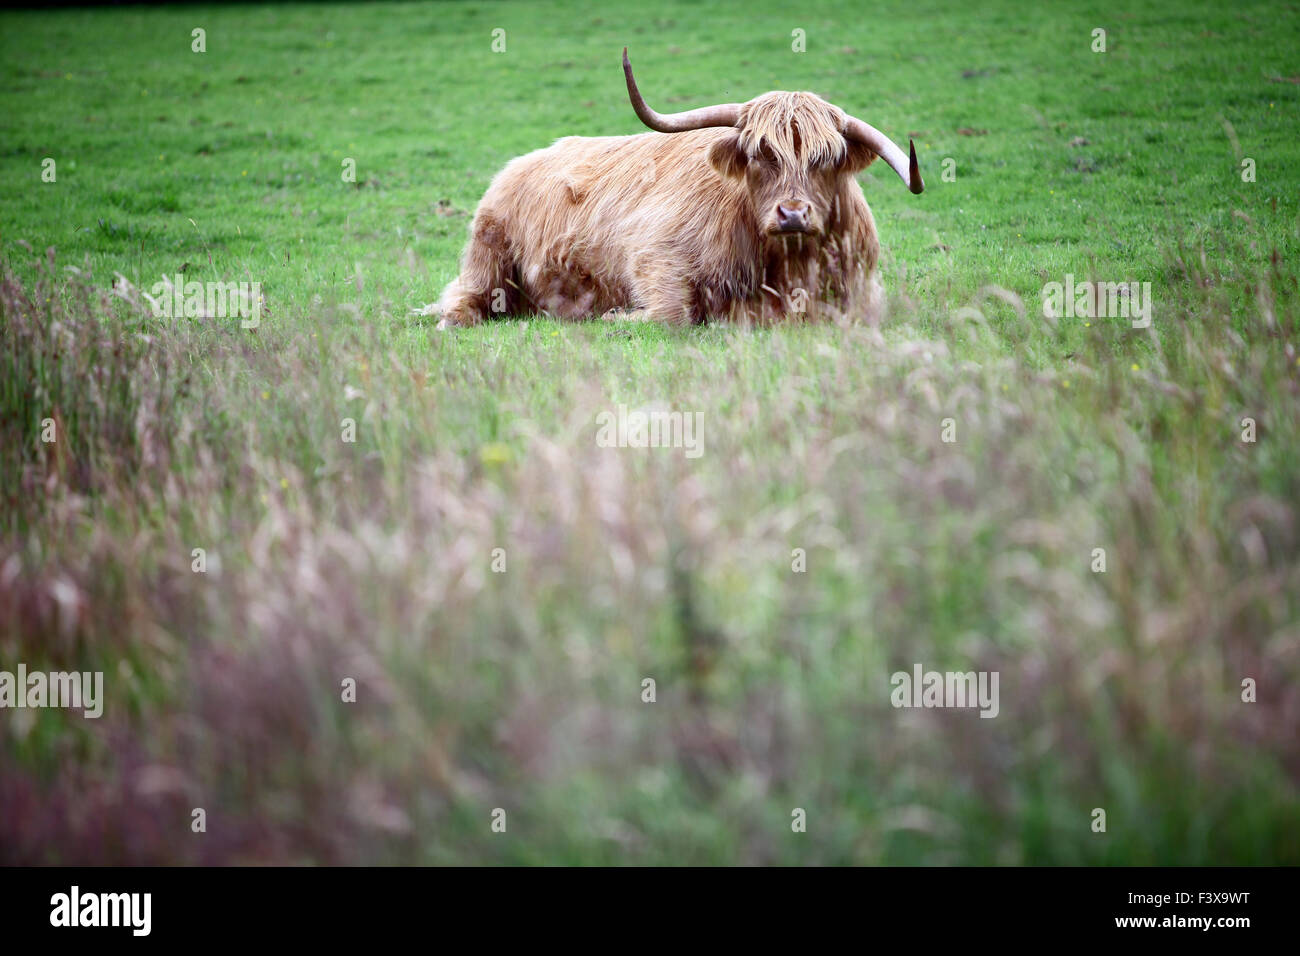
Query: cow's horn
{"x": 884, "y": 147}
{"x": 724, "y": 114}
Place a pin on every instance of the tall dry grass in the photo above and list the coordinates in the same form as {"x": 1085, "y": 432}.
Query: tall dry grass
{"x": 522, "y": 690}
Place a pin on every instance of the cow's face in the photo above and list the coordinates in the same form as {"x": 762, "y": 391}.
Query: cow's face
{"x": 793, "y": 150}
{"x": 788, "y": 149}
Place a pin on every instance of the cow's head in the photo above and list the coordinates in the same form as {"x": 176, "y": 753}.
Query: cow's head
{"x": 791, "y": 149}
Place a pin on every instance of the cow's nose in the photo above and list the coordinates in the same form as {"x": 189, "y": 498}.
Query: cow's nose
{"x": 792, "y": 214}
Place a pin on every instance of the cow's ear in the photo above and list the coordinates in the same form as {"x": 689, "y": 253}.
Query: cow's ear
{"x": 727, "y": 157}
{"x": 857, "y": 157}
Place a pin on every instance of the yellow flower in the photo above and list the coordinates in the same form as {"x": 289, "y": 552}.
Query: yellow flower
{"x": 495, "y": 453}
{"x": 266, "y": 395}
{"x": 1135, "y": 366}
{"x": 284, "y": 482}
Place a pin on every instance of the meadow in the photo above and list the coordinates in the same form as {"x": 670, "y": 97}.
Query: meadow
{"x": 430, "y": 644}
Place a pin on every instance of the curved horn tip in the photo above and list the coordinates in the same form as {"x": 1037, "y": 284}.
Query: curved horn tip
{"x": 914, "y": 170}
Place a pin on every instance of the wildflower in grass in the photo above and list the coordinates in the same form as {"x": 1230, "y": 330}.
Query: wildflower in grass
{"x": 495, "y": 453}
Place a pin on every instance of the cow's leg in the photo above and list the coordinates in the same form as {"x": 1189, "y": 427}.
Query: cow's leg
{"x": 486, "y": 283}
{"x": 626, "y": 315}
{"x": 662, "y": 292}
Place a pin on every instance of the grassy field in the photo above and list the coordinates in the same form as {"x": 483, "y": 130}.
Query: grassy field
{"x": 827, "y": 536}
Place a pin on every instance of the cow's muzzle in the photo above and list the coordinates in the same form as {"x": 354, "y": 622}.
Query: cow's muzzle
{"x": 794, "y": 215}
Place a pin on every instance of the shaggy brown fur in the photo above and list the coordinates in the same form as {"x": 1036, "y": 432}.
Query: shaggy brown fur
{"x": 683, "y": 226}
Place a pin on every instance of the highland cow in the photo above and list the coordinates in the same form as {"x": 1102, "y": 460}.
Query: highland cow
{"x": 744, "y": 211}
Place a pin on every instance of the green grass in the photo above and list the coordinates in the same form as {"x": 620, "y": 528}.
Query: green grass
{"x": 522, "y": 690}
